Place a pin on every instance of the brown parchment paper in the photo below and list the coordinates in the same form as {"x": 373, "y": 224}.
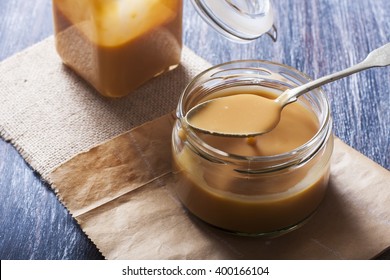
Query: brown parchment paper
{"x": 121, "y": 193}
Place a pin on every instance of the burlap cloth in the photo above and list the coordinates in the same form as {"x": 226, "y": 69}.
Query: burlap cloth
{"x": 114, "y": 174}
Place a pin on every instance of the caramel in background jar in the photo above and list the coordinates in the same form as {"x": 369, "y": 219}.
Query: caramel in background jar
{"x": 118, "y": 45}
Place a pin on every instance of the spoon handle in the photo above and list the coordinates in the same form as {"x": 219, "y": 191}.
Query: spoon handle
{"x": 377, "y": 58}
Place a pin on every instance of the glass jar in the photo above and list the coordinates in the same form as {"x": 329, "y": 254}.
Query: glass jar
{"x": 251, "y": 194}
{"x": 117, "y": 45}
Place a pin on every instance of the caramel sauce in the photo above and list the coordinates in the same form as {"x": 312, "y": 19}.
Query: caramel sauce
{"x": 260, "y": 203}
{"x": 226, "y": 116}
{"x": 297, "y": 124}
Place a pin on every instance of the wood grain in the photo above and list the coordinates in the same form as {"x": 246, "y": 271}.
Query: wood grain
{"x": 316, "y": 37}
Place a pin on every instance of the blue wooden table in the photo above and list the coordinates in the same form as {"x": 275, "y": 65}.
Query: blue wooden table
{"x": 316, "y": 37}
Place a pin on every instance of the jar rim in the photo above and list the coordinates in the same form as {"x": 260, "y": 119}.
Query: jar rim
{"x": 299, "y": 154}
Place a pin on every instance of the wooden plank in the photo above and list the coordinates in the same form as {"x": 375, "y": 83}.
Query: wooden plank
{"x": 316, "y": 37}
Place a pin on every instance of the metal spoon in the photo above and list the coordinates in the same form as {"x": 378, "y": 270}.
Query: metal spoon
{"x": 227, "y": 117}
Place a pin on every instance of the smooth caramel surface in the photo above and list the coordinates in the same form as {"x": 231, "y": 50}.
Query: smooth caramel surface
{"x": 297, "y": 125}
{"x": 118, "y": 45}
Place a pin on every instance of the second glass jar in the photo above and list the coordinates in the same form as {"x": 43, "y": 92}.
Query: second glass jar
{"x": 118, "y": 45}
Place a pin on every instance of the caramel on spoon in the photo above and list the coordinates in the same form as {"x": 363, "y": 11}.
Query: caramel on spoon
{"x": 245, "y": 115}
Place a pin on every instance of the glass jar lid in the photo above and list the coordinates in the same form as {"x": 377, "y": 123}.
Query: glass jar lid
{"x": 240, "y": 20}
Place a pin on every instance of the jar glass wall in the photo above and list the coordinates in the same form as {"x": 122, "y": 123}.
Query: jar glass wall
{"x": 251, "y": 194}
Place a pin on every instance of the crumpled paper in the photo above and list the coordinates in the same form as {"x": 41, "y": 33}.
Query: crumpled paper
{"x": 122, "y": 194}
